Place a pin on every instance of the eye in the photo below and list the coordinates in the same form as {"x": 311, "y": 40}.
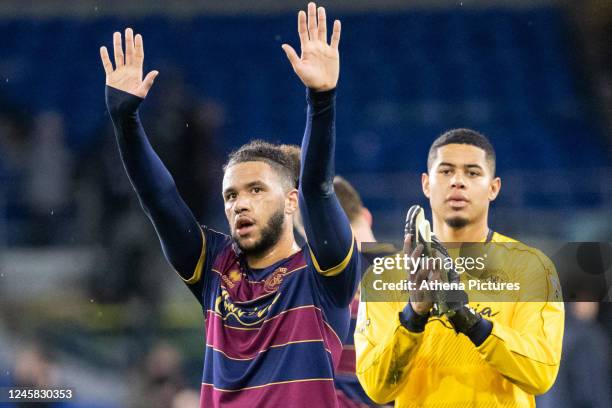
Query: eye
{"x": 446, "y": 172}
{"x": 256, "y": 190}
{"x": 473, "y": 174}
{"x": 230, "y": 196}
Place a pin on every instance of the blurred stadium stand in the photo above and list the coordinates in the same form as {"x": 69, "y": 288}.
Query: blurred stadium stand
{"x": 410, "y": 70}
{"x": 508, "y": 73}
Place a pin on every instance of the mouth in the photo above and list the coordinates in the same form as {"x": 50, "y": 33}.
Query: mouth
{"x": 457, "y": 202}
{"x": 244, "y": 226}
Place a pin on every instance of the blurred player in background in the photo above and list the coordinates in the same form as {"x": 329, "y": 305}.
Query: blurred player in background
{"x": 350, "y": 391}
{"x": 274, "y": 312}
{"x": 485, "y": 354}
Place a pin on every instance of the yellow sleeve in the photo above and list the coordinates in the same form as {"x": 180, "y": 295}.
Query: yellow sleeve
{"x": 528, "y": 351}
{"x": 384, "y": 350}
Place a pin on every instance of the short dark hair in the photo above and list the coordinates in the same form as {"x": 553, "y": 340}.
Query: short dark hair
{"x": 349, "y": 198}
{"x": 283, "y": 158}
{"x": 463, "y": 136}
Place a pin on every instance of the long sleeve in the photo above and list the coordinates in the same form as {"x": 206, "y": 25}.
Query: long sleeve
{"x": 179, "y": 233}
{"x": 527, "y": 351}
{"x": 384, "y": 366}
{"x": 385, "y": 349}
{"x": 528, "y": 354}
{"x": 327, "y": 228}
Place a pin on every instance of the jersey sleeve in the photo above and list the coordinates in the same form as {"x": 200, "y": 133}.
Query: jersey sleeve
{"x": 332, "y": 248}
{"x": 384, "y": 347}
{"x": 528, "y": 351}
{"x": 176, "y": 227}
{"x": 213, "y": 243}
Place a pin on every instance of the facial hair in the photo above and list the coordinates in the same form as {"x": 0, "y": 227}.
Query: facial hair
{"x": 270, "y": 235}
{"x": 457, "y": 222}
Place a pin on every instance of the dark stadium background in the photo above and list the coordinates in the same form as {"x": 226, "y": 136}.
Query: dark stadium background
{"x": 86, "y": 299}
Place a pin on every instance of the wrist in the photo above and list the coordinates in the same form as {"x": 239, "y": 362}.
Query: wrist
{"x": 464, "y": 319}
{"x": 323, "y": 96}
{"x": 419, "y": 309}
{"x": 412, "y": 320}
{"x": 120, "y": 102}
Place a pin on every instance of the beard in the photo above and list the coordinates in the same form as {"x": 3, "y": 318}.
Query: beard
{"x": 270, "y": 235}
{"x": 457, "y": 222}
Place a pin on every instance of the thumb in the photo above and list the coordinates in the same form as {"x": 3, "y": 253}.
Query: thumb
{"x": 147, "y": 82}
{"x": 291, "y": 55}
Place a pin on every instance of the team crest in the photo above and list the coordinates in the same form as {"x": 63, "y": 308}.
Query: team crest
{"x": 495, "y": 276}
{"x": 273, "y": 281}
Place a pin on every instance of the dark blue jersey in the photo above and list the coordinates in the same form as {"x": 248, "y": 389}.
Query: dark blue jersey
{"x": 275, "y": 331}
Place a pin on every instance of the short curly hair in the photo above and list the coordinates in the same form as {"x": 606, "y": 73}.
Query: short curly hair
{"x": 283, "y": 158}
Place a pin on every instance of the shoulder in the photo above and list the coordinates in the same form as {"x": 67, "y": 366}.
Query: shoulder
{"x": 217, "y": 245}
{"x": 520, "y": 251}
{"x": 528, "y": 265}
{"x": 215, "y": 240}
{"x": 522, "y": 261}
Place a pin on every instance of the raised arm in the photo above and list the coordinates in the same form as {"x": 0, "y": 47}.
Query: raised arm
{"x": 327, "y": 228}
{"x": 177, "y": 228}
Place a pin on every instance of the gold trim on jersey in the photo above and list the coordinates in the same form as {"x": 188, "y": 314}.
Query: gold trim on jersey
{"x": 336, "y": 270}
{"x": 265, "y": 385}
{"x": 197, "y": 273}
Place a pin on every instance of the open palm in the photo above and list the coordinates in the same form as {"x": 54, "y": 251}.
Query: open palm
{"x": 127, "y": 74}
{"x": 319, "y": 65}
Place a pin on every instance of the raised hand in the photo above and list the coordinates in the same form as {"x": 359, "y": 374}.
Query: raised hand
{"x": 127, "y": 75}
{"x": 319, "y": 65}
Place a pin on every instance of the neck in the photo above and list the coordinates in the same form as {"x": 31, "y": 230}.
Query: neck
{"x": 284, "y": 248}
{"x": 473, "y": 232}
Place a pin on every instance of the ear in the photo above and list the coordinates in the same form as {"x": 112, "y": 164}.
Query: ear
{"x": 291, "y": 202}
{"x": 367, "y": 216}
{"x": 494, "y": 188}
{"x": 425, "y": 184}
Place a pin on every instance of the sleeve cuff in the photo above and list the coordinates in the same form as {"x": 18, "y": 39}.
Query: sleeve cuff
{"x": 411, "y": 320}
{"x": 120, "y": 103}
{"x": 318, "y": 99}
{"x": 479, "y": 333}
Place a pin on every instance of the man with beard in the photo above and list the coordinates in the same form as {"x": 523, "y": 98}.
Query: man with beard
{"x": 496, "y": 350}
{"x": 274, "y": 312}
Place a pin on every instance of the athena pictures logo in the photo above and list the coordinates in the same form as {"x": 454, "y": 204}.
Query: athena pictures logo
{"x": 494, "y": 272}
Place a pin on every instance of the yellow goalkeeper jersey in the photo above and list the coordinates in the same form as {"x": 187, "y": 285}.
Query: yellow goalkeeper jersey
{"x": 439, "y": 368}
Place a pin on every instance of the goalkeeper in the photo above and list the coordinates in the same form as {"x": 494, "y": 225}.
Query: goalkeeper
{"x": 427, "y": 350}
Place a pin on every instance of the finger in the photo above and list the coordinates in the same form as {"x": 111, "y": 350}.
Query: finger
{"x": 129, "y": 46}
{"x": 434, "y": 276}
{"x": 147, "y": 83}
{"x": 302, "y": 28}
{"x": 291, "y": 55}
{"x": 117, "y": 50}
{"x": 106, "y": 62}
{"x": 138, "y": 49}
{"x": 407, "y": 243}
{"x": 417, "y": 251}
{"x": 312, "y": 21}
{"x": 322, "y": 25}
{"x": 335, "y": 39}
{"x": 419, "y": 276}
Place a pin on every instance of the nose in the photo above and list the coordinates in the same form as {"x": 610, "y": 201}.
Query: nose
{"x": 457, "y": 181}
{"x": 241, "y": 204}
